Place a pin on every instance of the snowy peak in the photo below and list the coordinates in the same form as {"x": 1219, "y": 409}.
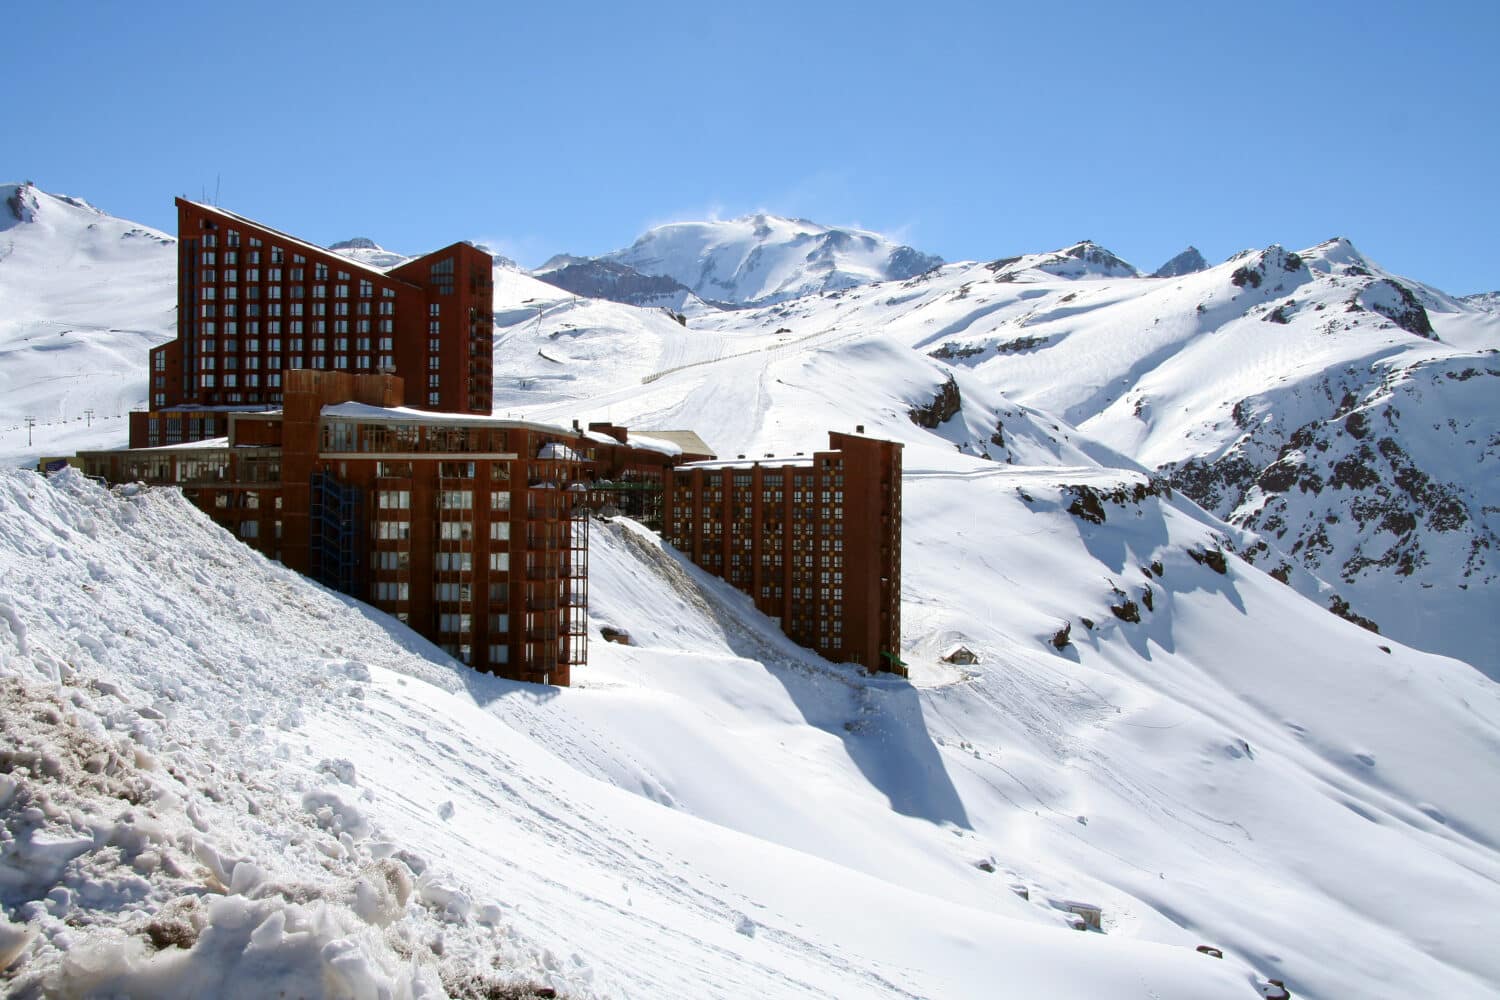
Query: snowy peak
{"x": 21, "y": 199}
{"x": 1084, "y": 259}
{"x": 1190, "y": 261}
{"x": 367, "y": 251}
{"x": 607, "y": 279}
{"x": 761, "y": 259}
{"x": 1484, "y": 301}
{"x": 26, "y": 204}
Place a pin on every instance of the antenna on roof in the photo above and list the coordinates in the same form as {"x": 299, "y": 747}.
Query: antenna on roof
{"x": 216, "y": 190}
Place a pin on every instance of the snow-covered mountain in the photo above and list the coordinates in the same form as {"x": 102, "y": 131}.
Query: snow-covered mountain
{"x": 756, "y": 259}
{"x": 1190, "y": 261}
{"x": 616, "y": 282}
{"x": 1215, "y": 377}
{"x": 83, "y": 297}
{"x": 367, "y": 251}
{"x": 1488, "y": 301}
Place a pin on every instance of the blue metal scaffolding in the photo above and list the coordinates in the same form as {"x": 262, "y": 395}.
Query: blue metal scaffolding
{"x": 334, "y": 515}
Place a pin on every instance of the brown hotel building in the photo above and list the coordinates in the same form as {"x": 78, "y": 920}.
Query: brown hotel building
{"x": 253, "y": 302}
{"x": 336, "y": 418}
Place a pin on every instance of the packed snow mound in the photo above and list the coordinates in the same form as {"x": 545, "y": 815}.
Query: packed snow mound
{"x": 167, "y": 829}
{"x": 83, "y": 297}
{"x": 764, "y": 258}
{"x": 1190, "y": 261}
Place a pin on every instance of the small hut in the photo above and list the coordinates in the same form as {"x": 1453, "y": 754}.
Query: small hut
{"x": 961, "y": 655}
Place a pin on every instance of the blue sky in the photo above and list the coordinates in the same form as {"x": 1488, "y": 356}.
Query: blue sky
{"x": 968, "y": 130}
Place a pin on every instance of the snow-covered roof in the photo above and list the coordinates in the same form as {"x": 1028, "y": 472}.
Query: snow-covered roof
{"x": 801, "y": 462}
{"x": 654, "y": 444}
{"x": 365, "y": 413}
{"x": 688, "y": 442}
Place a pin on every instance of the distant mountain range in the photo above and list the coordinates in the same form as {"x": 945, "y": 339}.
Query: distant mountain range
{"x": 754, "y": 260}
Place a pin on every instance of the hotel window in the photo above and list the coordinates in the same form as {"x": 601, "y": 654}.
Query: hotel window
{"x": 393, "y": 531}
{"x": 207, "y": 258}
{"x": 434, "y": 381}
{"x": 434, "y": 363}
{"x": 499, "y": 531}
{"x": 499, "y": 562}
{"x": 387, "y": 326}
{"x": 456, "y": 531}
{"x": 207, "y": 293}
{"x": 343, "y": 275}
{"x": 232, "y": 238}
{"x": 209, "y": 239}
{"x": 456, "y": 499}
{"x": 320, "y": 291}
{"x": 252, "y": 274}
{"x": 392, "y": 560}
{"x": 341, "y": 291}
{"x": 276, "y": 255}
{"x": 499, "y": 623}
{"x": 392, "y": 591}
{"x": 320, "y": 272}
{"x": 451, "y": 591}
{"x": 386, "y": 361}
{"x": 394, "y": 499}
{"x": 500, "y": 500}
{"x": 387, "y": 308}
{"x": 433, "y": 399}
{"x": 231, "y": 292}
{"x": 207, "y": 309}
{"x": 273, "y": 274}
{"x": 366, "y": 288}
{"x": 208, "y": 275}
{"x": 455, "y": 562}
{"x": 341, "y": 361}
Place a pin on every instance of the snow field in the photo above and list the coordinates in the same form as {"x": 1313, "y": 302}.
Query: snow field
{"x": 259, "y": 697}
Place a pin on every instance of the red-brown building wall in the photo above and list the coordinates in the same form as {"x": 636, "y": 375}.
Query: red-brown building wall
{"x": 815, "y": 542}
